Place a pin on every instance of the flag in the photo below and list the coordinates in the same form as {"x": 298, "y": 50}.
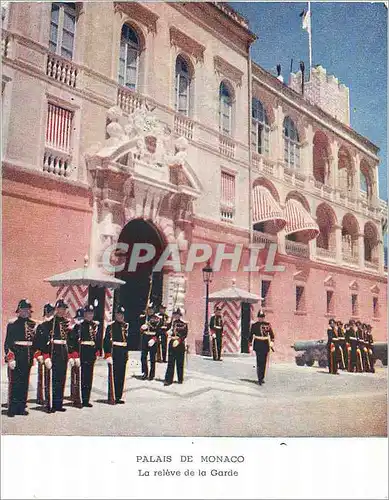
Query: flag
{"x": 306, "y": 15}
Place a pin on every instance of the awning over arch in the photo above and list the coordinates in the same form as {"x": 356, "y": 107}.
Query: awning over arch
{"x": 265, "y": 208}
{"x": 298, "y": 220}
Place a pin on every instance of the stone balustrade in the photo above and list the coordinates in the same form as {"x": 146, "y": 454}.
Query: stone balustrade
{"x": 266, "y": 238}
{"x": 6, "y": 43}
{"x": 57, "y": 163}
{"x": 227, "y": 214}
{"x": 62, "y": 70}
{"x": 350, "y": 258}
{"x": 183, "y": 126}
{"x": 128, "y": 100}
{"x": 326, "y": 253}
{"x": 226, "y": 146}
{"x": 296, "y": 248}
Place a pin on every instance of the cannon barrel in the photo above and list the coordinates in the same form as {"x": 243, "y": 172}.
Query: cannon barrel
{"x": 304, "y": 345}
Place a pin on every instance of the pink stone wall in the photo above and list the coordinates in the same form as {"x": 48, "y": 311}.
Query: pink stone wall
{"x": 41, "y": 237}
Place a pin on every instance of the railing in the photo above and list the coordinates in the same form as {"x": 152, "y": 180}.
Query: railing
{"x": 227, "y": 213}
{"x": 128, "y": 100}
{"x": 62, "y": 70}
{"x": 57, "y": 163}
{"x": 350, "y": 258}
{"x": 297, "y": 248}
{"x": 6, "y": 40}
{"x": 266, "y": 238}
{"x": 326, "y": 253}
{"x": 226, "y": 146}
{"x": 262, "y": 163}
{"x": 183, "y": 126}
{"x": 371, "y": 264}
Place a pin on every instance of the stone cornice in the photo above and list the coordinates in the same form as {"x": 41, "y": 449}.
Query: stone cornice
{"x": 186, "y": 43}
{"x": 139, "y": 13}
{"x": 289, "y": 96}
{"x": 226, "y": 69}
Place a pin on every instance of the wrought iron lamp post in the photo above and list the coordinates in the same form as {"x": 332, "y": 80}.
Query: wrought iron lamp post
{"x": 207, "y": 278}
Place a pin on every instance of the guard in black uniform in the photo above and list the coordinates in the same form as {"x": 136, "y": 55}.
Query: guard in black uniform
{"x": 216, "y": 327}
{"x": 48, "y": 312}
{"x": 176, "y": 350}
{"x": 84, "y": 346}
{"x": 262, "y": 338}
{"x": 351, "y": 335}
{"x": 370, "y": 347}
{"x": 19, "y": 348}
{"x": 149, "y": 331}
{"x": 163, "y": 329}
{"x": 332, "y": 347}
{"x": 53, "y": 343}
{"x": 342, "y": 361}
{"x": 116, "y": 351}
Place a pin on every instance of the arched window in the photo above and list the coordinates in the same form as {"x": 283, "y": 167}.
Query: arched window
{"x": 129, "y": 58}
{"x": 291, "y": 144}
{"x": 260, "y": 131}
{"x": 182, "y": 90}
{"x": 62, "y": 29}
{"x": 225, "y": 109}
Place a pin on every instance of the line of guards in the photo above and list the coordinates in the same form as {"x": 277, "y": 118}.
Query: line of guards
{"x": 55, "y": 345}
{"x": 350, "y": 347}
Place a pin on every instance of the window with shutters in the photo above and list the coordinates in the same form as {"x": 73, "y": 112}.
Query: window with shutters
{"x": 376, "y": 307}
{"x": 183, "y": 86}
{"x": 260, "y": 130}
{"x": 129, "y": 58}
{"x": 291, "y": 144}
{"x": 225, "y": 108}
{"x": 58, "y": 140}
{"x": 227, "y": 198}
{"x": 63, "y": 29}
{"x": 300, "y": 298}
{"x": 266, "y": 293}
{"x": 330, "y": 302}
{"x": 354, "y": 305}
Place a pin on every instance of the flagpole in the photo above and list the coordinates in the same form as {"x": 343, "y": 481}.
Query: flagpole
{"x": 310, "y": 38}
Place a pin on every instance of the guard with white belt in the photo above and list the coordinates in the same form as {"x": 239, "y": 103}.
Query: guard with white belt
{"x": 48, "y": 312}
{"x": 53, "y": 344}
{"x": 149, "y": 331}
{"x": 116, "y": 354}
{"x": 19, "y": 348}
{"x": 262, "y": 339}
{"x": 84, "y": 350}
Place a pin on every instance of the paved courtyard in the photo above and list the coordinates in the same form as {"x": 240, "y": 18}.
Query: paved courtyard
{"x": 220, "y": 399}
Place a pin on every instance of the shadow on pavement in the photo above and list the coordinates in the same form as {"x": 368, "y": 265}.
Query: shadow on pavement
{"x": 249, "y": 380}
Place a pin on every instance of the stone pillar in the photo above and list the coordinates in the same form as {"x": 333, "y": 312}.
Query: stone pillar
{"x": 312, "y": 249}
{"x": 306, "y": 152}
{"x": 361, "y": 251}
{"x": 278, "y": 139}
{"x": 334, "y": 164}
{"x": 381, "y": 263}
{"x": 338, "y": 243}
{"x": 357, "y": 177}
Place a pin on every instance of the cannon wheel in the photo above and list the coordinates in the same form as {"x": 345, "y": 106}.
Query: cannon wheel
{"x": 323, "y": 363}
{"x": 310, "y": 361}
{"x": 300, "y": 360}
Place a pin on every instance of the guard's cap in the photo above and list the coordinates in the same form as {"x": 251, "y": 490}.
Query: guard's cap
{"x": 61, "y": 304}
{"x": 48, "y": 309}
{"x": 177, "y": 312}
{"x": 24, "y": 304}
{"x": 260, "y": 314}
{"x": 120, "y": 310}
{"x": 79, "y": 313}
{"x": 89, "y": 308}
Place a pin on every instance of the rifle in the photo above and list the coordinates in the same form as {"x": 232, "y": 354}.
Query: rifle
{"x": 111, "y": 382}
{"x": 75, "y": 377}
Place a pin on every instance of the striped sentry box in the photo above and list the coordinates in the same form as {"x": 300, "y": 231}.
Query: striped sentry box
{"x": 75, "y": 296}
{"x": 231, "y": 312}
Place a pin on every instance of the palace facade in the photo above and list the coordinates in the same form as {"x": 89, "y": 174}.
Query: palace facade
{"x": 148, "y": 122}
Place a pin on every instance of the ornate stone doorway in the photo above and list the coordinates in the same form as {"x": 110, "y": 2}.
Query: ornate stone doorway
{"x": 133, "y": 295}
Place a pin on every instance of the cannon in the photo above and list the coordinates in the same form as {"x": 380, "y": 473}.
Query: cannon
{"x": 316, "y": 350}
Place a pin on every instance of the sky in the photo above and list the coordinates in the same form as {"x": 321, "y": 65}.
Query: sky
{"x": 348, "y": 39}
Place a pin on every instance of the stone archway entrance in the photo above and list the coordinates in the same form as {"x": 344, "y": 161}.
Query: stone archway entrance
{"x": 133, "y": 294}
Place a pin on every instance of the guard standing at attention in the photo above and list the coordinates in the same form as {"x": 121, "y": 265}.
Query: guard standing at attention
{"x": 84, "y": 346}
{"x": 19, "y": 348}
{"x": 342, "y": 361}
{"x": 116, "y": 354}
{"x": 163, "y": 328}
{"x": 216, "y": 327}
{"x": 332, "y": 347}
{"x": 352, "y": 341}
{"x": 370, "y": 347}
{"x": 261, "y": 338}
{"x": 176, "y": 350}
{"x": 53, "y": 343}
{"x": 48, "y": 312}
{"x": 149, "y": 332}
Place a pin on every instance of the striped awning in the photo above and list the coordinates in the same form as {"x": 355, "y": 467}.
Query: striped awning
{"x": 299, "y": 220}
{"x": 265, "y": 208}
